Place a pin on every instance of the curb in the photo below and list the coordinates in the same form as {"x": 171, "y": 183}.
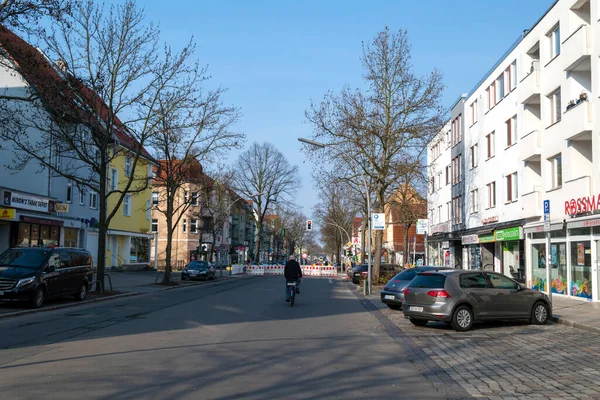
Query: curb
{"x": 574, "y": 324}
{"x": 116, "y": 296}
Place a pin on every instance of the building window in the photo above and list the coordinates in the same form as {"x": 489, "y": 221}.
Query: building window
{"x": 474, "y": 201}
{"x": 439, "y": 216}
{"x": 432, "y": 185}
{"x": 474, "y": 112}
{"x": 556, "y": 171}
{"x": 500, "y": 87}
{"x": 69, "y": 191}
{"x": 513, "y": 76}
{"x": 448, "y": 210}
{"x": 457, "y": 215}
{"x": 150, "y": 171}
{"x": 448, "y": 168}
{"x": 184, "y": 226}
{"x": 185, "y": 197}
{"x": 474, "y": 159}
{"x": 555, "y": 107}
{"x": 127, "y": 205}
{"x": 57, "y": 158}
{"x": 456, "y": 134}
{"x": 439, "y": 180}
{"x": 114, "y": 179}
{"x": 81, "y": 197}
{"x": 148, "y": 209}
{"x": 154, "y": 225}
{"x": 491, "y": 187}
{"x": 456, "y": 176}
{"x": 93, "y": 200}
{"x": 554, "y": 40}
{"x": 491, "y": 150}
{"x": 194, "y": 198}
{"x": 511, "y": 131}
{"x": 512, "y": 192}
{"x": 128, "y": 165}
{"x": 155, "y": 198}
{"x": 193, "y": 225}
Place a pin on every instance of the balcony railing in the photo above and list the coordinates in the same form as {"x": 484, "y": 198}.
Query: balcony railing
{"x": 531, "y": 146}
{"x": 530, "y": 85}
{"x": 577, "y": 120}
{"x": 532, "y": 203}
{"x": 576, "y": 47}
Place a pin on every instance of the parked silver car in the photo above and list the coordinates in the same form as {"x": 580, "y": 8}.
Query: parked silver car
{"x": 392, "y": 293}
{"x": 462, "y": 297}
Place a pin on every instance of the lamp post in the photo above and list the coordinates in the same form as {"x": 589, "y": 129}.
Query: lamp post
{"x": 340, "y": 228}
{"x": 367, "y": 195}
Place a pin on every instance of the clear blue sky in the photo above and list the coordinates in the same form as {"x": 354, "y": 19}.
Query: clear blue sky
{"x": 275, "y": 56}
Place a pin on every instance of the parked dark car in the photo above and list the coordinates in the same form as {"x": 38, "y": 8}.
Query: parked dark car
{"x": 198, "y": 270}
{"x": 392, "y": 294}
{"x": 35, "y": 274}
{"x": 462, "y": 297}
{"x": 358, "y": 272}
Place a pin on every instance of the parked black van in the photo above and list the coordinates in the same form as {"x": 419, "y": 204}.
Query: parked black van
{"x": 34, "y": 274}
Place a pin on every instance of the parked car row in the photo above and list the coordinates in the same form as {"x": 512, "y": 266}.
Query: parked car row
{"x": 360, "y": 271}
{"x": 462, "y": 297}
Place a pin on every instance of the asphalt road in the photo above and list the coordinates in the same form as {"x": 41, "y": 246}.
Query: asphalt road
{"x": 230, "y": 339}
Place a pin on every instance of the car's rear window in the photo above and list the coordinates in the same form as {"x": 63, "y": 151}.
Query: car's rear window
{"x": 428, "y": 280}
{"x": 406, "y": 275}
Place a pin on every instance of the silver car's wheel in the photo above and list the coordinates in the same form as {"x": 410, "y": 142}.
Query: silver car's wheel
{"x": 462, "y": 320}
{"x": 540, "y": 313}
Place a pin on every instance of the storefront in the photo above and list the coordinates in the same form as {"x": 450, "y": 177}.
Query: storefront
{"x": 127, "y": 249}
{"x": 574, "y": 252}
{"x": 512, "y": 252}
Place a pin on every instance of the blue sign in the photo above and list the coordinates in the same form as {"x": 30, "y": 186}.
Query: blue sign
{"x": 546, "y": 206}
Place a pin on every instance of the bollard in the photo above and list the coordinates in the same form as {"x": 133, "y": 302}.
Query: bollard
{"x": 365, "y": 285}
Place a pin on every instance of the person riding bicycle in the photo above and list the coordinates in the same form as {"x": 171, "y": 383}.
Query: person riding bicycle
{"x": 292, "y": 272}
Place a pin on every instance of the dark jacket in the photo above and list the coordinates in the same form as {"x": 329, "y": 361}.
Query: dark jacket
{"x": 292, "y": 270}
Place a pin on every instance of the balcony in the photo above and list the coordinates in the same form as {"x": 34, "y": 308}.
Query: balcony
{"x": 529, "y": 87}
{"x": 576, "y": 47}
{"x": 531, "y": 146}
{"x": 577, "y": 121}
{"x": 532, "y": 203}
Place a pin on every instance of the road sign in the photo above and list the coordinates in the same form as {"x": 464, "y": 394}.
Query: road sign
{"x": 378, "y": 221}
{"x": 422, "y": 226}
{"x": 547, "y": 215}
{"x": 356, "y": 240}
{"x": 304, "y": 255}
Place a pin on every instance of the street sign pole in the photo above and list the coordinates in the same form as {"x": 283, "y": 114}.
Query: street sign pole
{"x": 547, "y": 227}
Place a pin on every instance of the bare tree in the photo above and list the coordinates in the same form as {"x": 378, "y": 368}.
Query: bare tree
{"x": 263, "y": 175}
{"x": 99, "y": 102}
{"x": 386, "y": 127}
{"x": 195, "y": 129}
{"x": 25, "y": 15}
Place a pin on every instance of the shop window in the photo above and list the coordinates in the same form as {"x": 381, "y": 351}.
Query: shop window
{"x": 538, "y": 265}
{"x": 70, "y": 236}
{"x": 139, "y": 251}
{"x": 579, "y": 232}
{"x": 559, "y": 233}
{"x": 538, "y": 235}
{"x": 581, "y": 269}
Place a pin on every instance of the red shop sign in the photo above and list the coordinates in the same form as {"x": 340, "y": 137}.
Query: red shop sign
{"x": 582, "y": 205}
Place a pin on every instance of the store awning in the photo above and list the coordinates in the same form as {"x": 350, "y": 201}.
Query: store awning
{"x": 131, "y": 234}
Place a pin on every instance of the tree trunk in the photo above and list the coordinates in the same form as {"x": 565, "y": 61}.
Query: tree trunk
{"x": 377, "y": 259}
{"x": 167, "y": 278}
{"x": 102, "y": 230}
{"x": 406, "y": 252}
{"x": 257, "y": 244}
{"x": 363, "y": 244}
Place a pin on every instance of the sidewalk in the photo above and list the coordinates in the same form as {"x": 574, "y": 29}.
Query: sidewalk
{"x": 571, "y": 312}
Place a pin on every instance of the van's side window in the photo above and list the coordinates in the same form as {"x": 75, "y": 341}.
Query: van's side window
{"x": 54, "y": 261}
{"x": 65, "y": 260}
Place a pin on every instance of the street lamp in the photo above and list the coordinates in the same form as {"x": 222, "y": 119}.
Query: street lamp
{"x": 367, "y": 195}
{"x": 340, "y": 229}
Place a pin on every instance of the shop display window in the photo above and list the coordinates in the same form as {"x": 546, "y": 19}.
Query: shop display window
{"x": 581, "y": 269}
{"x": 558, "y": 255}
{"x": 139, "y": 251}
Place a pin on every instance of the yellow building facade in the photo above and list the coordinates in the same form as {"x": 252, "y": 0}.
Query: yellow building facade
{"x": 128, "y": 236}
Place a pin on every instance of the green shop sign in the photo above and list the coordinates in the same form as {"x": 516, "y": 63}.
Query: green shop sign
{"x": 509, "y": 234}
{"x": 487, "y": 238}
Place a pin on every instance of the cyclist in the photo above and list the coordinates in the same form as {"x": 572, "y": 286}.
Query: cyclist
{"x": 292, "y": 272}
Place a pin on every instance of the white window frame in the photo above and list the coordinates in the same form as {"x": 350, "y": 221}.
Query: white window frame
{"x": 81, "y": 196}
{"x": 474, "y": 156}
{"x": 474, "y": 201}
{"x": 511, "y": 131}
{"x": 128, "y": 165}
{"x": 556, "y": 178}
{"x": 512, "y": 187}
{"x": 439, "y": 216}
{"x": 184, "y": 225}
{"x": 474, "y": 112}
{"x": 193, "y": 225}
{"x": 93, "y": 200}
{"x": 491, "y": 189}
{"x": 114, "y": 179}
{"x": 155, "y": 199}
{"x": 491, "y": 145}
{"x": 555, "y": 107}
{"x": 154, "y": 226}
{"x": 449, "y": 210}
{"x": 127, "y": 205}
{"x": 194, "y": 198}
{"x": 500, "y": 88}
{"x": 148, "y": 209}
{"x": 554, "y": 42}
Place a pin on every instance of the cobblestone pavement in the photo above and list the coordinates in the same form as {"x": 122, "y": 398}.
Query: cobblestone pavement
{"x": 509, "y": 360}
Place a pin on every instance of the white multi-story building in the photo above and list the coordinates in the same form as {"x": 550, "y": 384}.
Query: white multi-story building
{"x": 529, "y": 133}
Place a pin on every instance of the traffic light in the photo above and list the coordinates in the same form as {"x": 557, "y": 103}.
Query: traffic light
{"x": 309, "y": 225}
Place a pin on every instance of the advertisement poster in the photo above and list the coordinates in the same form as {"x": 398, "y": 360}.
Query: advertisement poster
{"x": 562, "y": 254}
{"x": 554, "y": 261}
{"x": 580, "y": 254}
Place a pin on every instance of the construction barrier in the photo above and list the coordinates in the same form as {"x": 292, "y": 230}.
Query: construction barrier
{"x": 275, "y": 269}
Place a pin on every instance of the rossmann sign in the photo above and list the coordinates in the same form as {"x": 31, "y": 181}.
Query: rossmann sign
{"x": 582, "y": 205}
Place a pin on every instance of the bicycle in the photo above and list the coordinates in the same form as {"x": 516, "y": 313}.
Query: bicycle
{"x": 292, "y": 290}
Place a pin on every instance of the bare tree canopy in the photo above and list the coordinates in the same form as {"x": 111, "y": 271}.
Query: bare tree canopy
{"x": 262, "y": 174}
{"x": 98, "y": 102}
{"x": 24, "y": 15}
{"x": 386, "y": 127}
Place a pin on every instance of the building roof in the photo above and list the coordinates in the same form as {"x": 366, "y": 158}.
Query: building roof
{"x": 57, "y": 93}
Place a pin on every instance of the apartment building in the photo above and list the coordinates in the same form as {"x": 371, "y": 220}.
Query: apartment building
{"x": 530, "y": 129}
